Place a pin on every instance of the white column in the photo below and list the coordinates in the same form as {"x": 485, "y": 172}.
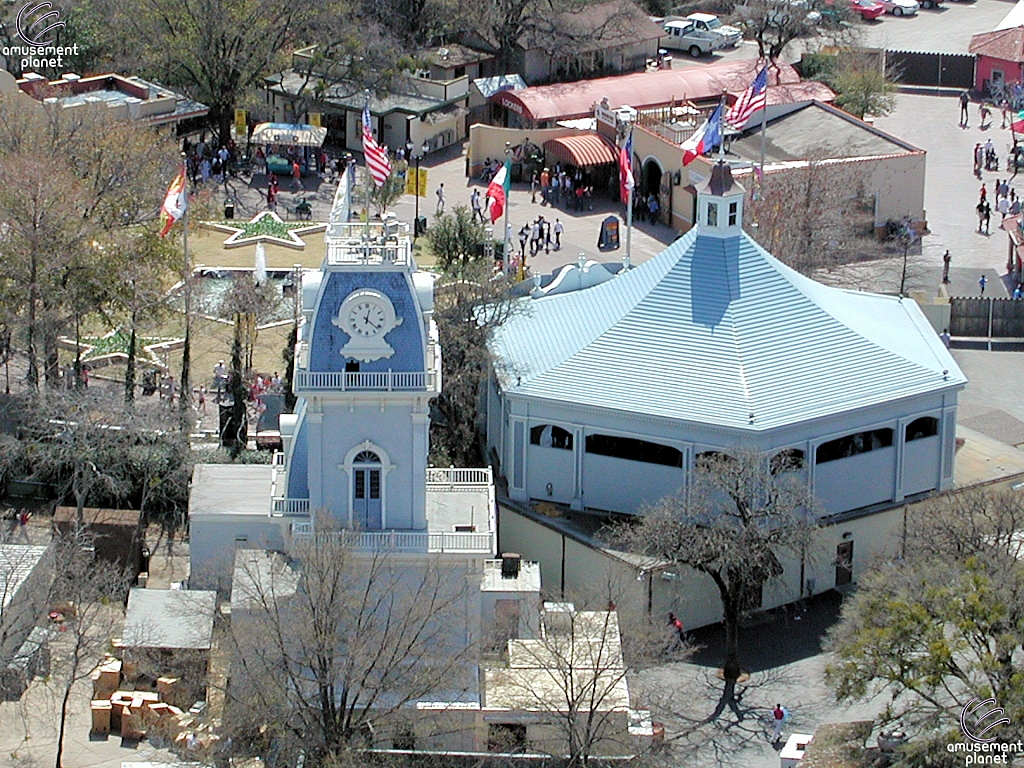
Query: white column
{"x": 420, "y": 432}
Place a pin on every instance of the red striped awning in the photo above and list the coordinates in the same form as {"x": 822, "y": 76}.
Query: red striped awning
{"x": 582, "y": 151}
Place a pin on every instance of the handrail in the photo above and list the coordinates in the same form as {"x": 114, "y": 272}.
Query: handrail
{"x": 406, "y": 541}
{"x": 459, "y": 476}
{"x": 346, "y": 381}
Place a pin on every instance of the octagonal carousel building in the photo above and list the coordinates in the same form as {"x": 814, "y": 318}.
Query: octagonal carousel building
{"x": 607, "y": 388}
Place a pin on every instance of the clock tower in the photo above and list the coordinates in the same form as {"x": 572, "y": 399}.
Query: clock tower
{"x": 367, "y": 363}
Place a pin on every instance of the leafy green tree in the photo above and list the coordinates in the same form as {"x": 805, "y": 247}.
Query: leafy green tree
{"x": 941, "y": 625}
{"x": 457, "y": 241}
{"x": 864, "y": 85}
{"x": 384, "y": 196}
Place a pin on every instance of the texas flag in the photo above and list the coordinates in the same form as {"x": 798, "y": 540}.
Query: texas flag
{"x": 626, "y": 182}
{"x": 706, "y": 138}
{"x": 497, "y": 191}
{"x": 175, "y": 203}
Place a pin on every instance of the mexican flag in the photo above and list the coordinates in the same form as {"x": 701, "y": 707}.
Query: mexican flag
{"x": 175, "y": 203}
{"x": 498, "y": 191}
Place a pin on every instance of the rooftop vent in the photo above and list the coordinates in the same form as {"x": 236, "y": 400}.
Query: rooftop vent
{"x": 510, "y": 562}
{"x": 70, "y": 77}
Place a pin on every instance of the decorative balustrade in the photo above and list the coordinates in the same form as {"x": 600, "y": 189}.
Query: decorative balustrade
{"x": 380, "y": 381}
{"x": 282, "y": 505}
{"x": 407, "y": 541}
{"x": 458, "y": 476}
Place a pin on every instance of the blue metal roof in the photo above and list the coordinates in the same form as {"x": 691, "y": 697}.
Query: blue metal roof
{"x": 718, "y": 331}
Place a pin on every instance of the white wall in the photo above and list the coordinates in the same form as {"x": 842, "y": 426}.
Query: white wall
{"x": 921, "y": 464}
{"x": 856, "y": 481}
{"x": 626, "y": 486}
{"x": 213, "y": 541}
{"x": 550, "y": 465}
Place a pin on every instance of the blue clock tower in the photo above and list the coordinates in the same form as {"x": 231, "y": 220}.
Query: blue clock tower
{"x": 367, "y": 364}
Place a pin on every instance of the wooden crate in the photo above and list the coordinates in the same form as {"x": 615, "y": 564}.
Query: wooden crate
{"x": 101, "y": 711}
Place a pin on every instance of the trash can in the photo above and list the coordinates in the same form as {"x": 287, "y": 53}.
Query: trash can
{"x": 421, "y": 226}
{"x": 229, "y": 209}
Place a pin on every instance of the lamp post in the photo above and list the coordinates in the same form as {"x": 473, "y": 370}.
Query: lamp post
{"x": 504, "y": 235}
{"x": 416, "y": 183}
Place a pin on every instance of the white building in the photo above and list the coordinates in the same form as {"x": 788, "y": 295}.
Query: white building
{"x": 714, "y": 345}
{"x": 609, "y": 388}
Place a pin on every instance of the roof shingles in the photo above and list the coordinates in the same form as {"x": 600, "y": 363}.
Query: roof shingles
{"x": 719, "y": 332}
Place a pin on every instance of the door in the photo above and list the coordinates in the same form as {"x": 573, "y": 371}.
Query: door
{"x": 844, "y": 563}
{"x": 366, "y": 502}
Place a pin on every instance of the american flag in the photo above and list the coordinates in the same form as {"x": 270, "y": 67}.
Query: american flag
{"x": 376, "y": 156}
{"x": 753, "y": 99}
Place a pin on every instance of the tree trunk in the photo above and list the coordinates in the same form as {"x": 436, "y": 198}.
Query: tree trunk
{"x": 33, "y": 301}
{"x": 58, "y": 763}
{"x": 731, "y": 619}
{"x": 129, "y": 372}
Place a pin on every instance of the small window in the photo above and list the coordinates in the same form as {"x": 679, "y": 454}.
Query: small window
{"x": 926, "y": 426}
{"x": 550, "y": 436}
{"x": 787, "y": 460}
{"x": 366, "y": 457}
{"x": 851, "y": 445}
{"x": 632, "y": 449}
{"x": 734, "y": 209}
{"x": 506, "y": 737}
{"x": 351, "y": 366}
{"x": 712, "y": 214}
{"x": 460, "y": 72}
{"x": 708, "y": 460}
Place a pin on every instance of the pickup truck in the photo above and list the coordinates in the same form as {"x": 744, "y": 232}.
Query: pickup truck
{"x": 699, "y": 34}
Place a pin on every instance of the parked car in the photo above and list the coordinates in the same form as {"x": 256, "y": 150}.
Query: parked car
{"x": 930, "y": 3}
{"x": 708, "y": 22}
{"x": 699, "y": 34}
{"x": 868, "y": 9}
{"x": 901, "y": 7}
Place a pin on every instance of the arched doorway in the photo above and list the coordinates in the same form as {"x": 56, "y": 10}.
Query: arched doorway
{"x": 366, "y": 495}
{"x": 654, "y": 181}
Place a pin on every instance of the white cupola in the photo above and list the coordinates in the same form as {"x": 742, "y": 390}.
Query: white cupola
{"x": 720, "y": 203}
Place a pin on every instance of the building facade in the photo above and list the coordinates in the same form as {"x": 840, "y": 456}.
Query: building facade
{"x": 716, "y": 346}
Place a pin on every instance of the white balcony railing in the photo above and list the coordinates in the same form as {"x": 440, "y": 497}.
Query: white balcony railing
{"x": 408, "y": 541}
{"x": 277, "y": 460}
{"x": 446, "y": 476}
{"x": 347, "y": 244}
{"x": 282, "y": 505}
{"x": 379, "y": 381}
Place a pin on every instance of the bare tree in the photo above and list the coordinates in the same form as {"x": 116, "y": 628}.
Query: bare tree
{"x": 336, "y": 645}
{"x": 736, "y": 518}
{"x": 775, "y": 24}
{"x": 815, "y": 217}
{"x": 573, "y": 673}
{"x": 88, "y": 596}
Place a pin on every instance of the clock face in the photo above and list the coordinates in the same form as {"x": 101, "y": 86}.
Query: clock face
{"x": 366, "y": 318}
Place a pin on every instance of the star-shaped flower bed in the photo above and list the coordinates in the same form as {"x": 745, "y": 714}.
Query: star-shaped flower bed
{"x": 112, "y": 348}
{"x": 266, "y": 227}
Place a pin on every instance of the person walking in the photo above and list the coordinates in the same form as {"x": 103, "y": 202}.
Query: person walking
{"x": 296, "y": 176}
{"x": 964, "y": 100}
{"x": 983, "y": 192}
{"x": 524, "y": 235}
{"x": 545, "y": 186}
{"x": 979, "y": 159}
{"x": 982, "y": 282}
{"x": 474, "y": 203}
{"x": 779, "y": 720}
{"x": 945, "y": 337}
{"x": 946, "y": 258}
{"x": 558, "y": 234}
{"x": 534, "y": 237}
{"x": 533, "y": 187}
{"x": 440, "y": 200}
{"x": 987, "y": 214}
{"x": 985, "y": 113}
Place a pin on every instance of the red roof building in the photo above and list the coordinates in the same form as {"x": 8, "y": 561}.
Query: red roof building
{"x": 1000, "y": 57}
{"x": 543, "y": 106}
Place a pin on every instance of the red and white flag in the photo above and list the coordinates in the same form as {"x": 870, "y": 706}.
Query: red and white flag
{"x": 497, "y": 191}
{"x": 376, "y": 156}
{"x": 175, "y": 203}
{"x": 750, "y": 101}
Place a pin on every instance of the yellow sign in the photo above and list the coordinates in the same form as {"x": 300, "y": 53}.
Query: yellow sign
{"x": 414, "y": 186}
{"x": 314, "y": 119}
{"x": 241, "y": 127}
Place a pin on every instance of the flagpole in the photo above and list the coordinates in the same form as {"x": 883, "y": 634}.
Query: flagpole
{"x": 369, "y": 184}
{"x": 721, "y": 128}
{"x": 186, "y": 352}
{"x": 629, "y": 204}
{"x": 508, "y": 204}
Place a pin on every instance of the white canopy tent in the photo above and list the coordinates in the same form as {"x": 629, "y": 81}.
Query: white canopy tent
{"x": 292, "y": 134}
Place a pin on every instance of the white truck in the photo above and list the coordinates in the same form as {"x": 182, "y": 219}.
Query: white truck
{"x": 699, "y": 34}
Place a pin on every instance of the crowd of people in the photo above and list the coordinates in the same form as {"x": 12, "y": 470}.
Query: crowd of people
{"x": 204, "y": 162}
